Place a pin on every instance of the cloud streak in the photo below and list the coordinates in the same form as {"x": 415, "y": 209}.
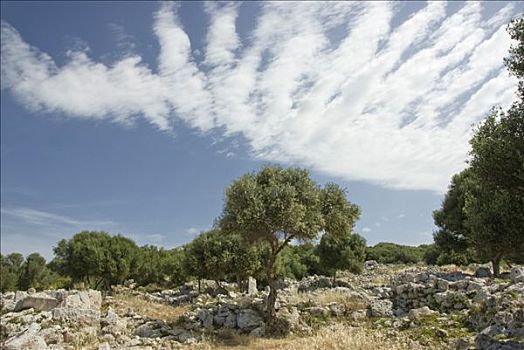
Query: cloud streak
{"x": 392, "y": 105}
{"x": 35, "y": 217}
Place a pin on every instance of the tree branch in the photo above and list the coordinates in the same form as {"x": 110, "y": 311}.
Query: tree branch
{"x": 286, "y": 241}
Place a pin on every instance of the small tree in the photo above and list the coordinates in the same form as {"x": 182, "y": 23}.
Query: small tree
{"x": 453, "y": 240}
{"x": 277, "y": 205}
{"x": 218, "y": 256}
{"x": 96, "y": 258}
{"x": 11, "y": 269}
{"x": 34, "y": 272}
{"x": 342, "y": 253}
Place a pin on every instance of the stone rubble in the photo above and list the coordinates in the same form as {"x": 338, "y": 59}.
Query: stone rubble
{"x": 493, "y": 309}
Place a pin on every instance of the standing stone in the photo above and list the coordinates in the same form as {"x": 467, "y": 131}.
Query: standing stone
{"x": 517, "y": 274}
{"x": 251, "y": 286}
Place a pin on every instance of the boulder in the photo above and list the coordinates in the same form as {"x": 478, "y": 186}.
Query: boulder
{"x": 517, "y": 274}
{"x": 73, "y": 315}
{"x": 37, "y": 301}
{"x": 370, "y": 264}
{"x": 483, "y": 272}
{"x": 485, "y": 342}
{"x": 381, "y": 308}
{"x": 318, "y": 311}
{"x": 258, "y": 332}
{"x": 86, "y": 299}
{"x": 28, "y": 339}
{"x": 418, "y": 314}
{"x": 182, "y": 335}
{"x": 113, "y": 324}
{"x": 153, "y": 329}
{"x": 206, "y": 318}
{"x": 248, "y": 320}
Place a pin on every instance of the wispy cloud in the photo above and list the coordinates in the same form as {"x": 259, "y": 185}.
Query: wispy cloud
{"x": 366, "y": 230}
{"x": 42, "y": 218}
{"x": 27, "y": 230}
{"x": 406, "y": 94}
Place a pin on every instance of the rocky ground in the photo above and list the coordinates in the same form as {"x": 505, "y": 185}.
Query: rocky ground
{"x": 386, "y": 307}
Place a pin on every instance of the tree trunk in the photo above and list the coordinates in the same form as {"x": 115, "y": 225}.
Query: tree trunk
{"x": 334, "y": 277}
{"x": 272, "y": 297}
{"x": 199, "y": 286}
{"x": 496, "y": 266}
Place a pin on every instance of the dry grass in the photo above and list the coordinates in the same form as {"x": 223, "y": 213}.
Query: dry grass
{"x": 380, "y": 280}
{"x": 135, "y": 304}
{"x": 334, "y": 337}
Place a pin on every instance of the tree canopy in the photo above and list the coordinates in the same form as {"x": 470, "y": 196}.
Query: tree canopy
{"x": 277, "y": 205}
{"x": 484, "y": 207}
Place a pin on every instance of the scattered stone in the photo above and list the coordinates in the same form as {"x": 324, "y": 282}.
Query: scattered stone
{"x": 28, "y": 339}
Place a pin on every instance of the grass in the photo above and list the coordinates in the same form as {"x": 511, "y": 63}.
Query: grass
{"x": 333, "y": 337}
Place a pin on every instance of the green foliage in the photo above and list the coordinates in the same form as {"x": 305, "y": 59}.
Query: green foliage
{"x": 391, "y": 253}
{"x": 342, "y": 253}
{"x": 96, "y": 258}
{"x": 453, "y": 239}
{"x": 484, "y": 208}
{"x": 121, "y": 260}
{"x": 10, "y": 269}
{"x": 290, "y": 265}
{"x": 218, "y": 256}
{"x": 515, "y": 59}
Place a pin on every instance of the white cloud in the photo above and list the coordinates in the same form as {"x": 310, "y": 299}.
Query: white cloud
{"x": 366, "y": 230}
{"x": 192, "y": 231}
{"x": 389, "y": 105}
{"x": 42, "y": 218}
{"x": 27, "y": 230}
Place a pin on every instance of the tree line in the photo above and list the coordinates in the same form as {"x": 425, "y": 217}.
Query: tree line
{"x": 209, "y": 256}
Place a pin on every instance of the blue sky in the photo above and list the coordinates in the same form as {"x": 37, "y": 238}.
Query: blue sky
{"x": 133, "y": 117}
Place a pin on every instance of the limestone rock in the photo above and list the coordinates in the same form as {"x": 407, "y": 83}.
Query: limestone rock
{"x": 517, "y": 274}
{"x": 248, "y": 319}
{"x": 86, "y": 299}
{"x": 381, "y": 308}
{"x": 485, "y": 342}
{"x": 418, "y": 314}
{"x": 152, "y": 329}
{"x": 74, "y": 315}
{"x": 29, "y": 339}
{"x": 483, "y": 272}
{"x": 318, "y": 311}
{"x": 37, "y": 301}
{"x": 252, "y": 286}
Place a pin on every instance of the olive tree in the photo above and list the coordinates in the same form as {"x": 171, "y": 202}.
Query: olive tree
{"x": 277, "y": 205}
{"x": 342, "y": 253}
{"x": 219, "y": 256}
